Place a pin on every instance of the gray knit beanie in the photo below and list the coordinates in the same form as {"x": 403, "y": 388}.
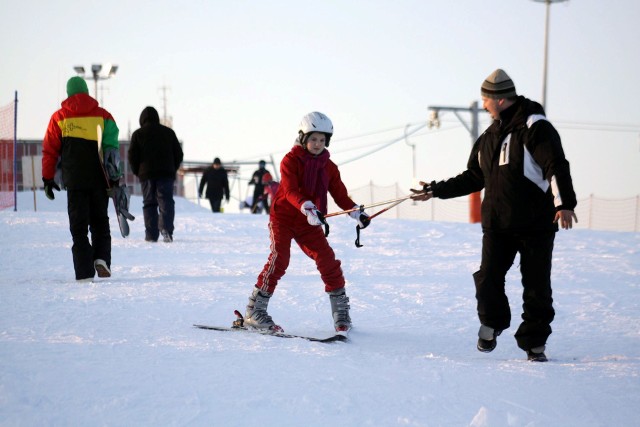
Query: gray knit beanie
{"x": 498, "y": 85}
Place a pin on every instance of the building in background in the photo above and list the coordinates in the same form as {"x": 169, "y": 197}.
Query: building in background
{"x": 29, "y": 151}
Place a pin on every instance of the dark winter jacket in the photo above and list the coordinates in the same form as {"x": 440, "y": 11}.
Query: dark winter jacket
{"x": 155, "y": 151}
{"x": 256, "y": 179}
{"x": 217, "y": 183}
{"x": 72, "y": 135}
{"x": 520, "y": 163}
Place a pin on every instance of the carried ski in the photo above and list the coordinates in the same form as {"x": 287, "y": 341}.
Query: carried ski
{"x": 120, "y": 194}
{"x": 238, "y": 326}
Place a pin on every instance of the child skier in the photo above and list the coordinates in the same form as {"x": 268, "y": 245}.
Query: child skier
{"x": 296, "y": 214}
{"x": 270, "y": 187}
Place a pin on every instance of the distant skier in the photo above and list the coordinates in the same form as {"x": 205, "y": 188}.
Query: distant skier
{"x": 270, "y": 188}
{"x": 258, "y": 202}
{"x": 307, "y": 176}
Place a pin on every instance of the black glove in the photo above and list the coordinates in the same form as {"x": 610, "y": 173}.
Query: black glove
{"x": 363, "y": 220}
{"x": 432, "y": 187}
{"x": 49, "y": 185}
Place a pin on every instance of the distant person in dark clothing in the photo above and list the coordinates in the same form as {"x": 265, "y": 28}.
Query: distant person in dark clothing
{"x": 217, "y": 183}
{"x": 259, "y": 201}
{"x": 155, "y": 156}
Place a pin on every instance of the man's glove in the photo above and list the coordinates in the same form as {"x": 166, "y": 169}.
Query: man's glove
{"x": 430, "y": 187}
{"x": 49, "y": 185}
{"x": 361, "y": 217}
{"x": 427, "y": 192}
{"x": 312, "y": 213}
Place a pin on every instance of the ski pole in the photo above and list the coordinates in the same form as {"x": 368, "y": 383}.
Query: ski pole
{"x": 363, "y": 207}
{"x": 386, "y": 209}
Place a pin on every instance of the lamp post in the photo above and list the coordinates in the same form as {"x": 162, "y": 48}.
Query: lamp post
{"x": 473, "y": 129}
{"x": 546, "y": 47}
{"x": 95, "y": 74}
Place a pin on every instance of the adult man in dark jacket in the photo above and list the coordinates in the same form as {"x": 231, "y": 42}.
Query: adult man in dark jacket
{"x": 155, "y": 156}
{"x": 217, "y": 183}
{"x": 520, "y": 163}
{"x": 72, "y": 136}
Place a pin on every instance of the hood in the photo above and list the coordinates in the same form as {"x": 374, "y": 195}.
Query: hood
{"x": 149, "y": 116}
{"x": 79, "y": 103}
{"x": 517, "y": 114}
{"x": 532, "y": 107}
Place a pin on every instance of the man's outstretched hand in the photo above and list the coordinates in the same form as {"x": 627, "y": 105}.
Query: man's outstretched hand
{"x": 422, "y": 195}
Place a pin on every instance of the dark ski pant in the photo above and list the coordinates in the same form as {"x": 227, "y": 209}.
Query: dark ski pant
{"x": 87, "y": 211}
{"x": 158, "y": 207}
{"x": 313, "y": 243}
{"x": 260, "y": 201}
{"x": 498, "y": 253}
{"x": 215, "y": 204}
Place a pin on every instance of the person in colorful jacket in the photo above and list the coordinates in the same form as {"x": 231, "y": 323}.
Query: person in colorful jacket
{"x": 307, "y": 175}
{"x": 88, "y": 170}
{"x": 520, "y": 164}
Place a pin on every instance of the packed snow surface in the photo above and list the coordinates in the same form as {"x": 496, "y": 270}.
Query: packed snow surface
{"x": 122, "y": 351}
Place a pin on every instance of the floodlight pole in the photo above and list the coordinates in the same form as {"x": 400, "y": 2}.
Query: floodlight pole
{"x": 546, "y": 47}
{"x": 95, "y": 74}
{"x": 473, "y": 129}
{"x": 95, "y": 70}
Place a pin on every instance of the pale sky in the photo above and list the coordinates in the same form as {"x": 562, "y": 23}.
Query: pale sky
{"x": 241, "y": 74}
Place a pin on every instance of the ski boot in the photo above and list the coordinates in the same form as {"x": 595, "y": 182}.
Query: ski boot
{"x": 256, "y": 315}
{"x": 340, "y": 310}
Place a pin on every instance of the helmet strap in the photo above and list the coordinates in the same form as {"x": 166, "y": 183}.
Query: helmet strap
{"x": 303, "y": 139}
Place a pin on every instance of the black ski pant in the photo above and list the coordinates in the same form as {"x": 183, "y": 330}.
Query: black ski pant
{"x": 87, "y": 211}
{"x": 158, "y": 206}
{"x": 260, "y": 201}
{"x": 498, "y": 253}
{"x": 215, "y": 204}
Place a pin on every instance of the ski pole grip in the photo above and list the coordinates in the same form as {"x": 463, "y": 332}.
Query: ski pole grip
{"x": 324, "y": 221}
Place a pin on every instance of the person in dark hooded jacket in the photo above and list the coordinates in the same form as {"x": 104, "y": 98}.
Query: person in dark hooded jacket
{"x": 528, "y": 191}
{"x": 155, "y": 155}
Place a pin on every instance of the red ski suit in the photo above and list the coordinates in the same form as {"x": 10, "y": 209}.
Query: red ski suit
{"x": 287, "y": 222}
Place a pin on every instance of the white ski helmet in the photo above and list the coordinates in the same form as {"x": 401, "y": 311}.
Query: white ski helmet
{"x": 315, "y": 122}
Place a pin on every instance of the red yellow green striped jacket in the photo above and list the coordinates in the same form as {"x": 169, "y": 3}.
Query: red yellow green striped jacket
{"x": 72, "y": 136}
